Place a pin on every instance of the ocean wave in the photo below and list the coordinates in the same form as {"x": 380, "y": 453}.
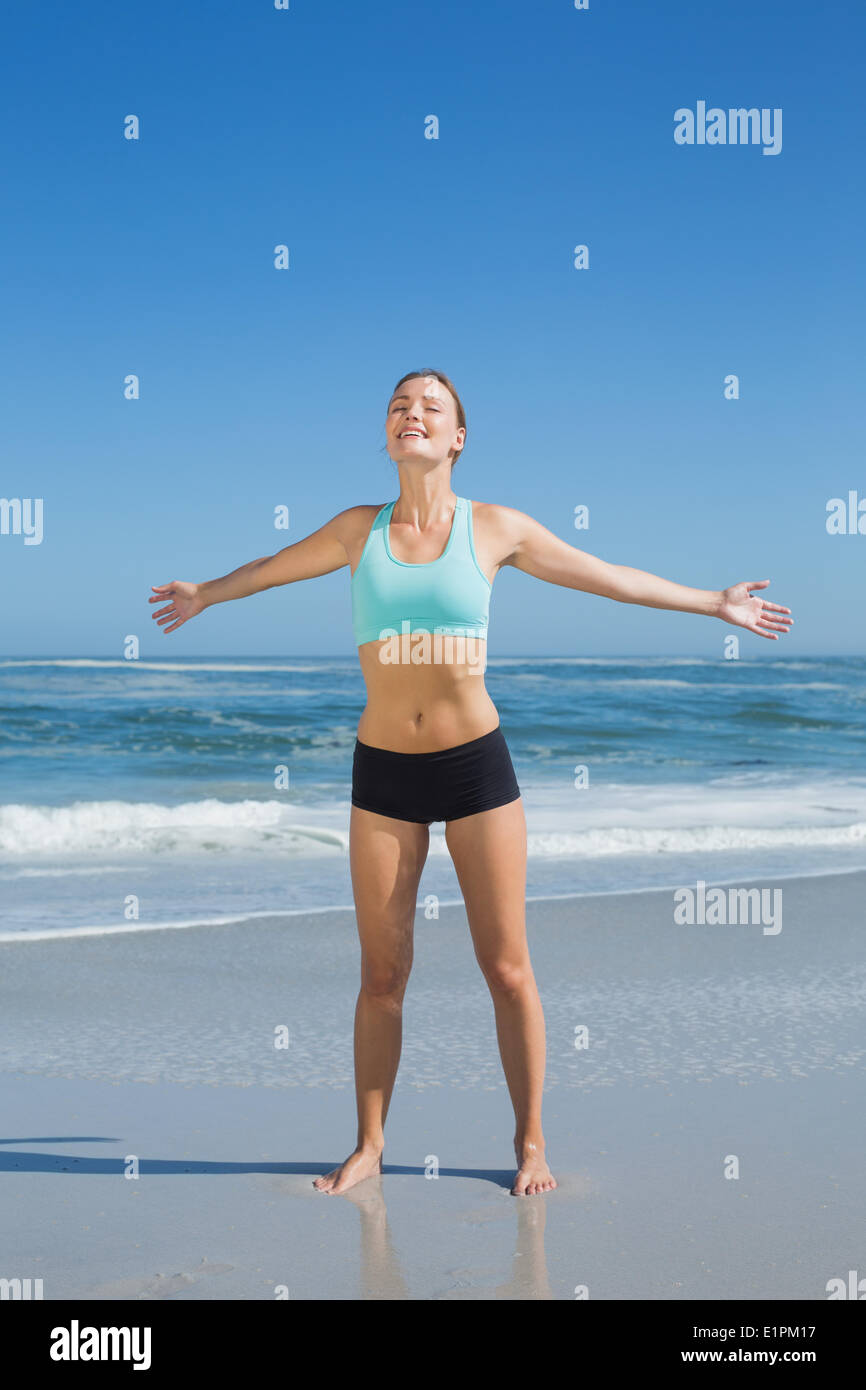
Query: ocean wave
{"x": 190, "y": 667}
{"x": 606, "y": 661}
{"x": 64, "y": 933}
{"x": 618, "y": 840}
{"x": 88, "y": 827}
{"x": 210, "y": 826}
{"x": 70, "y": 931}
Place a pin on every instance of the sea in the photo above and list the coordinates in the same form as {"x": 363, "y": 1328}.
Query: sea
{"x": 144, "y": 794}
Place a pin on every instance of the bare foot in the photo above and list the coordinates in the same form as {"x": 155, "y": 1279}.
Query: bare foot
{"x": 363, "y": 1163}
{"x": 533, "y": 1174}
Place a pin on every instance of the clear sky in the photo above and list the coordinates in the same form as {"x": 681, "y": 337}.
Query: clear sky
{"x": 262, "y": 387}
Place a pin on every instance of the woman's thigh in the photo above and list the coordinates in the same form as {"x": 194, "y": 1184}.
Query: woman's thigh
{"x": 386, "y": 856}
{"x": 489, "y": 854}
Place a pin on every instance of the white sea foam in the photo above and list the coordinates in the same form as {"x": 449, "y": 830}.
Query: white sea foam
{"x": 65, "y": 933}
{"x": 76, "y": 930}
{"x": 316, "y": 664}
{"x": 697, "y": 839}
{"x": 88, "y": 827}
{"x": 190, "y": 667}
{"x": 618, "y": 820}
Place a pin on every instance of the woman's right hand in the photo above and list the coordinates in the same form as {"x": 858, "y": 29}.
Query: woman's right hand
{"x": 185, "y": 600}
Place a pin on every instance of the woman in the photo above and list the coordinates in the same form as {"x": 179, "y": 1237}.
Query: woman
{"x": 429, "y": 745}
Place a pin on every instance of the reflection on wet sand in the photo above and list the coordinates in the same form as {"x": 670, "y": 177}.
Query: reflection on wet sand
{"x": 382, "y": 1274}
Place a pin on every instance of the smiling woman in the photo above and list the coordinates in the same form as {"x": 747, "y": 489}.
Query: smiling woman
{"x": 435, "y": 404}
{"x": 429, "y": 746}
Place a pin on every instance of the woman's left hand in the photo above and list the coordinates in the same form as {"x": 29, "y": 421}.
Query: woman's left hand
{"x": 741, "y": 609}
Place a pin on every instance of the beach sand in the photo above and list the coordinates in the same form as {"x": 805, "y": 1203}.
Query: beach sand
{"x": 707, "y": 1044}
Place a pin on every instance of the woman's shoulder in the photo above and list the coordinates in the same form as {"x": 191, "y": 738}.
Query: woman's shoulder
{"x": 361, "y": 514}
{"x": 364, "y": 509}
{"x": 353, "y": 525}
{"x": 500, "y": 530}
{"x": 495, "y": 516}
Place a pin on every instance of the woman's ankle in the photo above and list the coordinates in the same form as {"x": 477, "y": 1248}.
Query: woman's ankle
{"x": 529, "y": 1143}
{"x": 373, "y": 1144}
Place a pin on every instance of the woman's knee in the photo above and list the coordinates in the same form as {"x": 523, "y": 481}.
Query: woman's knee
{"x": 384, "y": 978}
{"x": 508, "y": 976}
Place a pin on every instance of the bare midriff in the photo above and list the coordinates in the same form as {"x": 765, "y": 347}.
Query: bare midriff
{"x": 421, "y": 708}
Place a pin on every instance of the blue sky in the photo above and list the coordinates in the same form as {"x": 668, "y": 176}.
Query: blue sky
{"x": 262, "y": 387}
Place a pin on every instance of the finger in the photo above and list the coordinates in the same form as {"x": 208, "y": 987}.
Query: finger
{"x": 161, "y": 588}
{"x": 162, "y": 612}
{"x": 776, "y": 607}
{"x": 174, "y": 625}
{"x": 757, "y": 583}
{"x": 161, "y": 622}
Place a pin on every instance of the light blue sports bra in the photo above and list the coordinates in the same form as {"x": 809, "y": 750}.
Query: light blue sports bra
{"x": 448, "y": 595}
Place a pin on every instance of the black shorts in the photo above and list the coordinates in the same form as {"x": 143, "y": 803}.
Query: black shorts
{"x": 445, "y": 785}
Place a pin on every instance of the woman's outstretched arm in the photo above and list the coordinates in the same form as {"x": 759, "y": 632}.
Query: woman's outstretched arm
{"x": 529, "y": 546}
{"x": 321, "y": 552}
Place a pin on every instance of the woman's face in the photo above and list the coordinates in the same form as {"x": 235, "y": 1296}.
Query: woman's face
{"x": 422, "y": 421}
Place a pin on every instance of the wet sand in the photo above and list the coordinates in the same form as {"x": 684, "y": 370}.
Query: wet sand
{"x": 710, "y": 1048}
